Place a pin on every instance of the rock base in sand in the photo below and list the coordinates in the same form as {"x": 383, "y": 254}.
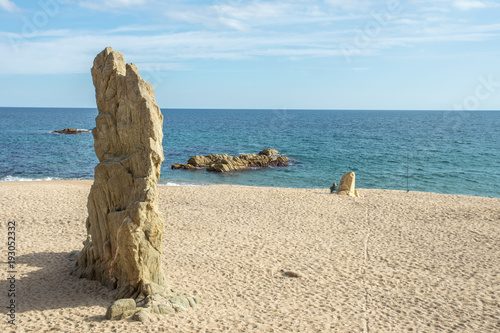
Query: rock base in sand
{"x": 159, "y": 301}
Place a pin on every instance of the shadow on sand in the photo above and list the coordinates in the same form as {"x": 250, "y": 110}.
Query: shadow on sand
{"x": 43, "y": 282}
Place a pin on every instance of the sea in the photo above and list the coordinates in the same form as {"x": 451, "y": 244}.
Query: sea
{"x": 453, "y": 152}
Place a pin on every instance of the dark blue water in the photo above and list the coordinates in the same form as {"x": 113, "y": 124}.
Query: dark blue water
{"x": 435, "y": 151}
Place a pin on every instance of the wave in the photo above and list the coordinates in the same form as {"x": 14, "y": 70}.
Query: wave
{"x": 10, "y": 178}
{"x": 160, "y": 183}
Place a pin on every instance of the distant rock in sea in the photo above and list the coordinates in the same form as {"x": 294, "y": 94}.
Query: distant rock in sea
{"x": 71, "y": 131}
{"x": 225, "y": 163}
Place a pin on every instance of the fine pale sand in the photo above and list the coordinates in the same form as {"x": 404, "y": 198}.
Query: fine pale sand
{"x": 389, "y": 261}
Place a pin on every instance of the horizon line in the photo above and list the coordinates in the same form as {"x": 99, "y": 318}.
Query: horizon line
{"x": 254, "y": 109}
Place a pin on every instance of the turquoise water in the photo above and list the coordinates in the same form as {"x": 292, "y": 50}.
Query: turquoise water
{"x": 435, "y": 151}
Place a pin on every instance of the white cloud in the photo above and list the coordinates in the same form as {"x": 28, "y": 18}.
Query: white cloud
{"x": 239, "y": 30}
{"x": 242, "y": 16}
{"x": 246, "y": 16}
{"x": 438, "y": 9}
{"x": 8, "y": 5}
{"x": 155, "y": 50}
{"x": 110, "y": 4}
{"x": 235, "y": 15}
{"x": 407, "y": 21}
{"x": 45, "y": 55}
{"x": 71, "y": 51}
{"x": 254, "y": 10}
{"x": 473, "y": 4}
{"x": 351, "y": 5}
{"x": 485, "y": 28}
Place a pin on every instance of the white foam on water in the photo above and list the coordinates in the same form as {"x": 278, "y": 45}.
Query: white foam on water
{"x": 10, "y": 178}
{"x": 179, "y": 184}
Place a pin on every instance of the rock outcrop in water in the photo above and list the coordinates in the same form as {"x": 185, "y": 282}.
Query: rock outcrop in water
{"x": 346, "y": 185}
{"x": 123, "y": 248}
{"x": 70, "y": 131}
{"x": 225, "y": 163}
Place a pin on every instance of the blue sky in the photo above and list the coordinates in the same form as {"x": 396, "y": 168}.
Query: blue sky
{"x": 304, "y": 54}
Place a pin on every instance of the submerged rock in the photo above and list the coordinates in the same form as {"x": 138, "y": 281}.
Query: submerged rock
{"x": 225, "y": 163}
{"x": 183, "y": 166}
{"x": 71, "y": 131}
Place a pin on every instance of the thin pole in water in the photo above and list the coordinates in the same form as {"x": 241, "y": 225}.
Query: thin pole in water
{"x": 407, "y": 172}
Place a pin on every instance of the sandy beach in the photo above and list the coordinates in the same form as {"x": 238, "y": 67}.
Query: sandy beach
{"x": 389, "y": 261}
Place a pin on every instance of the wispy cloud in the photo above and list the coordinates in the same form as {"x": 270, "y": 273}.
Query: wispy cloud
{"x": 110, "y": 4}
{"x": 350, "y": 5}
{"x": 44, "y": 55}
{"x": 158, "y": 50}
{"x": 243, "y": 30}
{"x": 242, "y": 15}
{"x": 8, "y": 5}
{"x": 473, "y": 4}
{"x": 245, "y": 16}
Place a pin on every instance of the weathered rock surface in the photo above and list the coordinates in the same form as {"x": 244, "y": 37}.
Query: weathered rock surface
{"x": 346, "y": 185}
{"x": 200, "y": 161}
{"x": 124, "y": 227}
{"x": 71, "y": 131}
{"x": 269, "y": 152}
{"x": 142, "y": 315}
{"x": 226, "y": 163}
{"x": 168, "y": 301}
{"x": 123, "y": 248}
{"x": 121, "y": 307}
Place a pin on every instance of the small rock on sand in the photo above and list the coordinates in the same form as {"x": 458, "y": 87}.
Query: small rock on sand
{"x": 119, "y": 307}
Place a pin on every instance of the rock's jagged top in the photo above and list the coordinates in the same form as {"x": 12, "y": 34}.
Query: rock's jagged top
{"x": 71, "y": 131}
{"x": 225, "y": 163}
{"x": 126, "y": 105}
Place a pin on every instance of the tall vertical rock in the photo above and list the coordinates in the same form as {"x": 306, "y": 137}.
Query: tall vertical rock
{"x": 124, "y": 227}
